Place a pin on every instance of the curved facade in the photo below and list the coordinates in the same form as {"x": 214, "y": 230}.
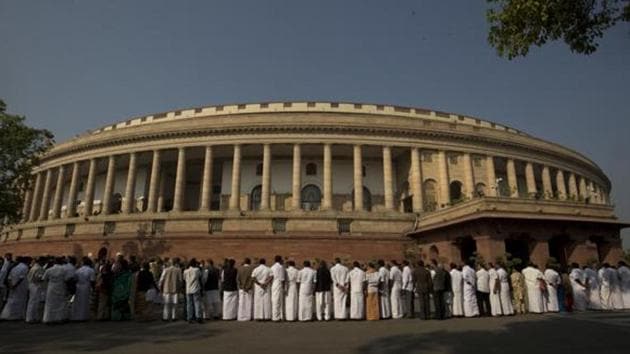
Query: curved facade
{"x": 316, "y": 180}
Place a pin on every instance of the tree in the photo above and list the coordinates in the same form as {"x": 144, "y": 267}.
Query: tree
{"x": 517, "y": 25}
{"x": 20, "y": 149}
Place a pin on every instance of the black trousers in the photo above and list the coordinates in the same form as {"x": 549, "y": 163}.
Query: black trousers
{"x": 483, "y": 301}
{"x": 440, "y": 306}
{"x": 425, "y": 305}
{"x": 407, "y": 298}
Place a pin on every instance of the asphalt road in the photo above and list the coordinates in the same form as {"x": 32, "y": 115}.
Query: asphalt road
{"x": 601, "y": 333}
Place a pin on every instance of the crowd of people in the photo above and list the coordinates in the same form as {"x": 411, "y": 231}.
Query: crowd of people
{"x": 60, "y": 289}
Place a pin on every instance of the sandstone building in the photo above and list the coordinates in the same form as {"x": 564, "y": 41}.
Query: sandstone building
{"x": 316, "y": 180}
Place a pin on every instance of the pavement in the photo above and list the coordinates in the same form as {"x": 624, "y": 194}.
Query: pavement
{"x": 590, "y": 332}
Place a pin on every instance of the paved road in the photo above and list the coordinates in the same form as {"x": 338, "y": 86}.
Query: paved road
{"x": 601, "y": 333}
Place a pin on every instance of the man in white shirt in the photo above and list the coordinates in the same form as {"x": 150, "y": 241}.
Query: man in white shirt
{"x": 407, "y": 290}
{"x": 339, "y": 275}
{"x": 357, "y": 279}
{"x": 385, "y": 304}
{"x": 395, "y": 277}
{"x": 192, "y": 278}
{"x": 534, "y": 279}
{"x": 483, "y": 290}
{"x": 277, "y": 290}
{"x": 471, "y": 308}
{"x": 263, "y": 277}
{"x": 624, "y": 283}
{"x": 306, "y": 278}
{"x": 291, "y": 299}
{"x": 578, "y": 286}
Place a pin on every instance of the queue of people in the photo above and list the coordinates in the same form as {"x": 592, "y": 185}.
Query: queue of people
{"x": 60, "y": 289}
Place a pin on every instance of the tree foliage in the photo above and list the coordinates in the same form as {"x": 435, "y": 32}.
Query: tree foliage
{"x": 20, "y": 148}
{"x": 517, "y": 25}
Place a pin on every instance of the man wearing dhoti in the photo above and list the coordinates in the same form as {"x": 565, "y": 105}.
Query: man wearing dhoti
{"x": 457, "y": 287}
{"x": 495, "y": 291}
{"x": 471, "y": 308}
{"x": 306, "y": 278}
{"x": 605, "y": 287}
{"x": 592, "y": 284}
{"x": 229, "y": 284}
{"x": 245, "y": 291}
{"x": 534, "y": 280}
{"x": 385, "y": 303}
{"x": 357, "y": 279}
{"x": 86, "y": 278}
{"x": 170, "y": 283}
{"x": 55, "y": 308}
{"x": 339, "y": 275}
{"x": 578, "y": 286}
{"x": 291, "y": 291}
{"x": 616, "y": 294}
{"x": 277, "y": 289}
{"x": 15, "y": 306}
{"x": 554, "y": 281}
{"x": 7, "y": 264}
{"x": 506, "y": 298}
{"x": 395, "y": 279}
{"x": 263, "y": 276}
{"x": 36, "y": 291}
{"x": 624, "y": 283}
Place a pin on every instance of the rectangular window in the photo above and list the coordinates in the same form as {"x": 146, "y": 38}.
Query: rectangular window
{"x": 279, "y": 225}
{"x": 109, "y": 228}
{"x": 40, "y": 232}
{"x": 343, "y": 226}
{"x": 158, "y": 226}
{"x": 69, "y": 230}
{"x": 215, "y": 226}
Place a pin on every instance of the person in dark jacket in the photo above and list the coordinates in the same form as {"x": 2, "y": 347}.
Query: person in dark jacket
{"x": 424, "y": 287}
{"x": 230, "y": 291}
{"x": 441, "y": 287}
{"x": 323, "y": 295}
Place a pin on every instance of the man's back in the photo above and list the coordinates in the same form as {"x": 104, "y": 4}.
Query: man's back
{"x": 423, "y": 280}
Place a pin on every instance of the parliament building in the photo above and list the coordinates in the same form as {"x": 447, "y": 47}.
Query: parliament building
{"x": 316, "y": 180}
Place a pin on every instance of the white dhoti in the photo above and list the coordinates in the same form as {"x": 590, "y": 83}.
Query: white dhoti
{"x": 552, "y": 299}
{"x": 457, "y": 309}
{"x": 35, "y": 304}
{"x": 81, "y": 304}
{"x": 169, "y": 311}
{"x": 55, "y": 309}
{"x": 340, "y": 298}
{"x": 15, "y": 307}
{"x": 277, "y": 301}
{"x": 291, "y": 303}
{"x": 616, "y": 298}
{"x": 506, "y": 299}
{"x": 305, "y": 311}
{"x": 385, "y": 304}
{"x": 594, "y": 301}
{"x": 245, "y": 305}
{"x": 396, "y": 303}
{"x": 262, "y": 303}
{"x": 211, "y": 304}
{"x": 579, "y": 298}
{"x": 323, "y": 305}
{"x": 495, "y": 303}
{"x": 230, "y": 305}
{"x": 357, "y": 306}
{"x": 471, "y": 309}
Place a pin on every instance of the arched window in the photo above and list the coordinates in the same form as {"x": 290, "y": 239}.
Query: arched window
{"x": 311, "y": 169}
{"x": 311, "y": 197}
{"x": 255, "y": 197}
{"x": 429, "y": 188}
{"x": 455, "y": 192}
{"x": 367, "y": 199}
{"x": 480, "y": 190}
{"x": 259, "y": 169}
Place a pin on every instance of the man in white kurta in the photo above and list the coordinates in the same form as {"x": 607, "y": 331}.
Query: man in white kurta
{"x": 15, "y": 307}
{"x": 55, "y": 308}
{"x": 605, "y": 281}
{"x": 495, "y": 291}
{"x": 86, "y": 277}
{"x": 357, "y": 279}
{"x": 471, "y": 309}
{"x": 7, "y": 262}
{"x": 36, "y": 291}
{"x": 291, "y": 291}
{"x": 306, "y": 278}
{"x": 592, "y": 281}
{"x": 616, "y": 294}
{"x": 339, "y": 275}
{"x": 553, "y": 280}
{"x": 395, "y": 278}
{"x": 263, "y": 277}
{"x": 407, "y": 289}
{"x": 624, "y": 283}
{"x": 533, "y": 279}
{"x": 385, "y": 303}
{"x": 277, "y": 290}
{"x": 506, "y": 298}
{"x": 457, "y": 283}
{"x": 579, "y": 288}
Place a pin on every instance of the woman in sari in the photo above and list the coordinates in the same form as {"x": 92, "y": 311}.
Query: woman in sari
{"x": 121, "y": 293}
{"x": 518, "y": 291}
{"x": 373, "y": 287}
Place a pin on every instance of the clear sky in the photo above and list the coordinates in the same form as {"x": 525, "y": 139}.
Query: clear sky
{"x": 70, "y": 66}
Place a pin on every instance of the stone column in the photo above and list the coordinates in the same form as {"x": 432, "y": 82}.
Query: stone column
{"x": 561, "y": 186}
{"x": 130, "y": 188}
{"x": 591, "y": 193}
{"x": 109, "y": 185}
{"x": 89, "y": 189}
{"x": 469, "y": 183}
{"x": 266, "y": 178}
{"x": 296, "y": 183}
{"x": 71, "y": 207}
{"x": 26, "y": 207}
{"x": 416, "y": 181}
{"x": 573, "y": 190}
{"x": 531, "y": 179}
{"x": 358, "y": 178}
{"x": 582, "y": 188}
{"x": 387, "y": 178}
{"x": 57, "y": 199}
{"x": 597, "y": 197}
{"x": 206, "y": 186}
{"x": 511, "y": 176}
{"x": 493, "y": 186}
{"x": 328, "y": 186}
{"x": 489, "y": 247}
{"x": 32, "y": 216}
{"x": 43, "y": 210}
{"x": 180, "y": 181}
{"x": 546, "y": 181}
{"x": 235, "y": 197}
{"x": 153, "y": 183}
{"x": 161, "y": 185}
{"x": 443, "y": 179}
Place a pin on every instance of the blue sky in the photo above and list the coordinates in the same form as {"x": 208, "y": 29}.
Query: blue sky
{"x": 70, "y": 66}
